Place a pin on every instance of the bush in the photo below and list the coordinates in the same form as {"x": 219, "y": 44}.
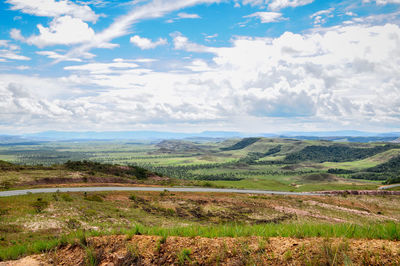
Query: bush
{"x": 184, "y": 256}
{"x": 94, "y": 197}
{"x": 73, "y": 224}
{"x": 6, "y": 184}
{"x": 133, "y": 197}
{"x": 39, "y": 205}
{"x": 66, "y": 197}
{"x": 92, "y": 168}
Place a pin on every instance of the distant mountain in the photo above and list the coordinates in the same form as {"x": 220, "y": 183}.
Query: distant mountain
{"x": 343, "y": 136}
{"x": 6, "y": 140}
{"x": 347, "y": 139}
{"x": 342, "y": 133}
{"x": 127, "y": 135}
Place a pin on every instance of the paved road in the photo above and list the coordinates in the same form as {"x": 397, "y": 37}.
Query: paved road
{"x": 172, "y": 189}
{"x": 389, "y": 186}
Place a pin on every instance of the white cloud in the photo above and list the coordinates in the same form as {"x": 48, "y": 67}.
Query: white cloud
{"x": 10, "y": 51}
{"x": 280, "y": 4}
{"x": 145, "y": 43}
{"x": 274, "y": 4}
{"x": 182, "y": 43}
{"x": 252, "y": 2}
{"x": 183, "y": 15}
{"x": 62, "y": 30}
{"x": 53, "y": 8}
{"x": 187, "y": 15}
{"x": 351, "y": 14}
{"x": 7, "y": 54}
{"x": 57, "y": 56}
{"x": 343, "y": 75}
{"x": 198, "y": 65}
{"x": 321, "y": 16}
{"x": 103, "y": 68}
{"x": 145, "y": 60}
{"x": 23, "y": 67}
{"x": 152, "y": 9}
{"x": 266, "y": 17}
{"x": 16, "y": 35}
{"x": 346, "y": 75}
{"x": 383, "y": 2}
{"x": 4, "y": 42}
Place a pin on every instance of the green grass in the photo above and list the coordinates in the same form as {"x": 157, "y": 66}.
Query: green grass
{"x": 113, "y": 216}
{"x": 274, "y": 185}
{"x": 273, "y": 176}
{"x": 262, "y": 184}
{"x": 365, "y": 163}
{"x": 356, "y": 185}
{"x": 389, "y": 231}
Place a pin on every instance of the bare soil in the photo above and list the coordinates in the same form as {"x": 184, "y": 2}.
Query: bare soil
{"x": 154, "y": 250}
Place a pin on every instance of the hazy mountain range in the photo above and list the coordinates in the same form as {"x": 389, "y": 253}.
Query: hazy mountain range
{"x": 351, "y": 136}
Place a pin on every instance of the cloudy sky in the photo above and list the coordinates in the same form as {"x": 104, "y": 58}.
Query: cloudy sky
{"x": 196, "y": 65}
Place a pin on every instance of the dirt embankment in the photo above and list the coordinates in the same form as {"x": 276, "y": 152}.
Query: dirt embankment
{"x": 68, "y": 180}
{"x": 154, "y": 250}
{"x": 79, "y": 179}
{"x": 360, "y": 192}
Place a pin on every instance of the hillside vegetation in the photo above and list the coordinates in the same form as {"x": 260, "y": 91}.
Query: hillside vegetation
{"x": 263, "y": 163}
{"x": 241, "y": 144}
{"x": 335, "y": 153}
{"x": 13, "y": 175}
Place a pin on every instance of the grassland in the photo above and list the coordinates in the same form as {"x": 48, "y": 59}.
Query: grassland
{"x": 37, "y": 223}
{"x": 249, "y": 164}
{"x": 60, "y": 222}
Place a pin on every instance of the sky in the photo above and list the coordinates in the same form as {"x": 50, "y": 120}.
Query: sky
{"x": 263, "y": 66}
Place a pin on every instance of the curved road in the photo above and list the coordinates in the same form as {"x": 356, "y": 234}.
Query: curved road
{"x": 172, "y": 189}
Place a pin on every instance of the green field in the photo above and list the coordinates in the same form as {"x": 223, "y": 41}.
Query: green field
{"x": 36, "y": 223}
{"x": 248, "y": 163}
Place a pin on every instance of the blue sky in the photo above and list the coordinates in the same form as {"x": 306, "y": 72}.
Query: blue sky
{"x": 196, "y": 65}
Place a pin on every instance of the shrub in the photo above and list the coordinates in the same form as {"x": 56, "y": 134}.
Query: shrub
{"x": 73, "y": 224}
{"x": 184, "y": 256}
{"x": 133, "y": 197}
{"x": 94, "y": 197}
{"x": 39, "y": 205}
{"x": 6, "y": 184}
{"x": 66, "y": 197}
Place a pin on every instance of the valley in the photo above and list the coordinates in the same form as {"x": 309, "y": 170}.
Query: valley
{"x": 184, "y": 204}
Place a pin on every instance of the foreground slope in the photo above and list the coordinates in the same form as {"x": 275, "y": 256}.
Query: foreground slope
{"x": 157, "y": 250}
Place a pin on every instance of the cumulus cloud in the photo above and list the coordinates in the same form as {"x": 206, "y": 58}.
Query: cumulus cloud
{"x": 145, "y": 43}
{"x": 62, "y": 30}
{"x": 266, "y": 17}
{"x": 16, "y": 35}
{"x": 53, "y": 8}
{"x": 346, "y": 75}
{"x": 343, "y": 75}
